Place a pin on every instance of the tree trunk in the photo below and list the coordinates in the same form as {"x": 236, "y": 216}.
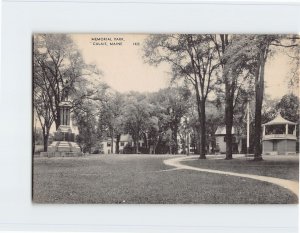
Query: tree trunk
{"x": 188, "y": 144}
{"x": 202, "y": 131}
{"x": 33, "y": 139}
{"x": 117, "y": 143}
{"x": 175, "y": 132}
{"x": 155, "y": 145}
{"x": 57, "y": 123}
{"x": 202, "y": 120}
{"x": 57, "y": 118}
{"x": 112, "y": 142}
{"x": 228, "y": 117}
{"x": 259, "y": 94}
{"x": 154, "y": 148}
{"x": 146, "y": 142}
{"x": 137, "y": 146}
{"x": 197, "y": 139}
{"x": 45, "y": 140}
{"x": 33, "y": 143}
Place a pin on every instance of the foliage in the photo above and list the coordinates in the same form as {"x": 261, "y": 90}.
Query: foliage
{"x": 85, "y": 120}
{"x": 110, "y": 114}
{"x": 213, "y": 73}
{"x": 251, "y": 52}
{"x": 137, "y": 116}
{"x": 193, "y": 58}
{"x": 289, "y": 107}
{"x": 59, "y": 72}
{"x": 171, "y": 105}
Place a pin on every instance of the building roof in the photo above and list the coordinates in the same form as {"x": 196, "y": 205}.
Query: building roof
{"x": 279, "y": 120}
{"x": 221, "y": 130}
{"x": 125, "y": 138}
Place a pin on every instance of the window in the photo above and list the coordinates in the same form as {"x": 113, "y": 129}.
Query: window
{"x": 122, "y": 143}
{"x": 108, "y": 144}
{"x": 275, "y": 129}
{"x": 291, "y": 129}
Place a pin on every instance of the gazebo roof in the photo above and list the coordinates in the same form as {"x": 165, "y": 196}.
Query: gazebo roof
{"x": 279, "y": 120}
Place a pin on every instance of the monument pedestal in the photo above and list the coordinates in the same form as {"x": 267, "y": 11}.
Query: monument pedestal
{"x": 64, "y": 144}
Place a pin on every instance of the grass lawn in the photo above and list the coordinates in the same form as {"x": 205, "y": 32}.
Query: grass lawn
{"x": 284, "y": 167}
{"x": 135, "y": 179}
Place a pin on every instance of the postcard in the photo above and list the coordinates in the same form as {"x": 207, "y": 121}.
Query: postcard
{"x": 165, "y": 118}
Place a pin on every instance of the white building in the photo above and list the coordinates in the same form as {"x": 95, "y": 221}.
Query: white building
{"x": 125, "y": 140}
{"x": 221, "y": 140}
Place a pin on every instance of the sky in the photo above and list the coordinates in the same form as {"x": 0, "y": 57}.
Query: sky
{"x": 119, "y": 57}
{"x": 122, "y": 65}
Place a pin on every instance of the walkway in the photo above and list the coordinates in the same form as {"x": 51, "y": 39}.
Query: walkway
{"x": 292, "y": 186}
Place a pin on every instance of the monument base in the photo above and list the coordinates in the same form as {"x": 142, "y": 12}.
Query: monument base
{"x": 64, "y": 144}
{"x": 61, "y": 146}
{"x": 61, "y": 154}
{"x": 62, "y": 149}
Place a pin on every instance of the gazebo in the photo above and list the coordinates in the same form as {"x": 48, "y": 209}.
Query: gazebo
{"x": 279, "y": 137}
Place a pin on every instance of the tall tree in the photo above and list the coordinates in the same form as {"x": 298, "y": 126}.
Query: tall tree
{"x": 159, "y": 122}
{"x": 264, "y": 44}
{"x": 85, "y": 119}
{"x": 58, "y": 62}
{"x": 174, "y": 104}
{"x": 261, "y": 47}
{"x": 110, "y": 117}
{"x": 221, "y": 45}
{"x": 236, "y": 75}
{"x": 137, "y": 115}
{"x": 192, "y": 57}
{"x": 42, "y": 109}
{"x": 58, "y": 71}
{"x": 253, "y": 52}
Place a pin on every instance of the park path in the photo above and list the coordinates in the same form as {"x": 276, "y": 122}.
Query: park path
{"x": 292, "y": 186}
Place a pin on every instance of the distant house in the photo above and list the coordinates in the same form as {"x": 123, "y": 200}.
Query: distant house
{"x": 186, "y": 146}
{"x": 125, "y": 141}
{"x": 105, "y": 146}
{"x": 220, "y": 135}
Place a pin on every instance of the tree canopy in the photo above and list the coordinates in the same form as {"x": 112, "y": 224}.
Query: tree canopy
{"x": 213, "y": 79}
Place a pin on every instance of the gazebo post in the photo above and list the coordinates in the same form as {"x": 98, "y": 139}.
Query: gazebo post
{"x": 294, "y": 133}
{"x": 286, "y": 129}
{"x": 264, "y": 130}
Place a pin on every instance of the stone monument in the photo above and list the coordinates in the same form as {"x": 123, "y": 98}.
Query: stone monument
{"x": 64, "y": 144}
